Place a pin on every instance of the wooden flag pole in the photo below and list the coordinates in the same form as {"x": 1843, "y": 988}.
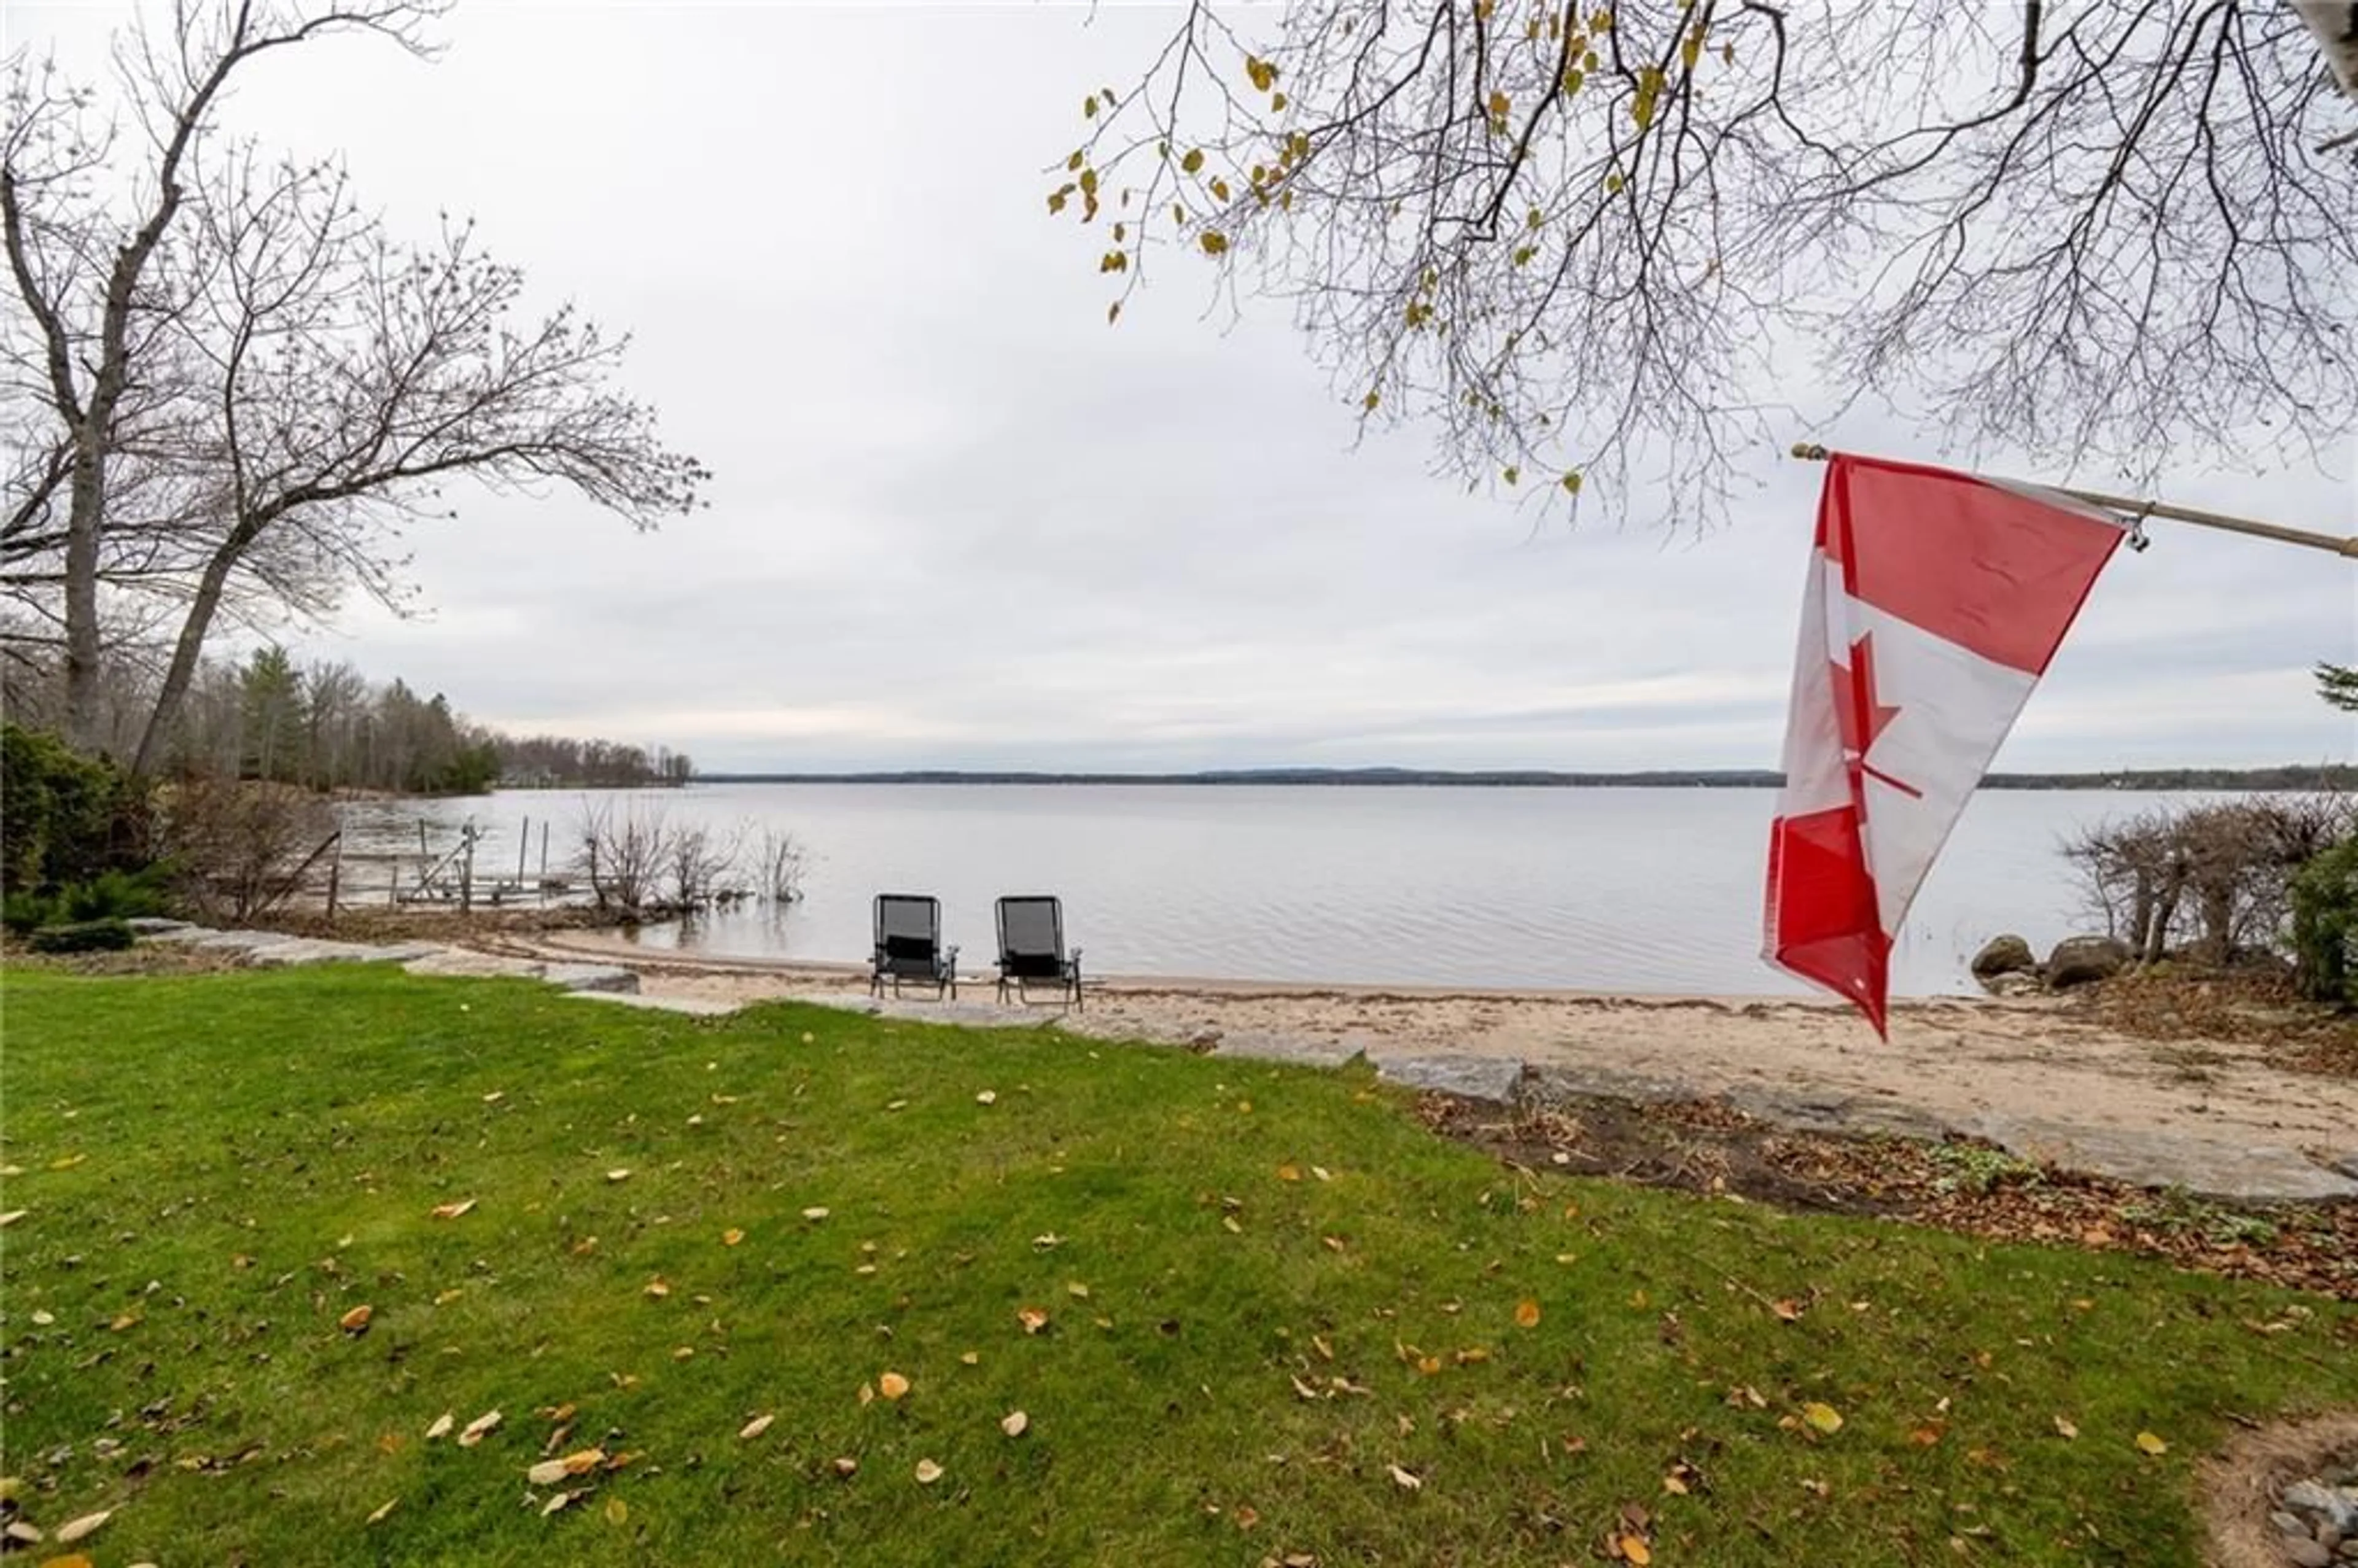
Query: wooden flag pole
{"x": 2140, "y": 510}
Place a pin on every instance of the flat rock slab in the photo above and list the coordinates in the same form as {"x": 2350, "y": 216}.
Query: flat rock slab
{"x": 1554, "y": 1082}
{"x": 453, "y": 963}
{"x": 1489, "y": 1078}
{"x": 693, "y": 1006}
{"x": 1805, "y": 1110}
{"x": 319, "y": 950}
{"x": 1299, "y": 1050}
{"x": 611, "y": 978}
{"x": 2257, "y": 1172}
{"x": 237, "y": 941}
{"x": 155, "y": 925}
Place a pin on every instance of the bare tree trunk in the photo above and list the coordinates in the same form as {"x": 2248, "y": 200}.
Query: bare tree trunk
{"x": 188, "y": 650}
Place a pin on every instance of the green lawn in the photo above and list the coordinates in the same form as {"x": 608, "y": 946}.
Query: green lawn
{"x": 1282, "y": 1318}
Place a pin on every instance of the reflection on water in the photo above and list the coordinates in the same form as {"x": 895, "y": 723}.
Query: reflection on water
{"x": 1622, "y": 889}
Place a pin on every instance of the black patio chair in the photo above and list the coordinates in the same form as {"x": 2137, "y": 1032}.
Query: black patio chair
{"x": 1032, "y": 950}
{"x": 909, "y": 945}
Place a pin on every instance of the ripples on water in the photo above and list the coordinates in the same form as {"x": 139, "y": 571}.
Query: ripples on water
{"x": 1645, "y": 891}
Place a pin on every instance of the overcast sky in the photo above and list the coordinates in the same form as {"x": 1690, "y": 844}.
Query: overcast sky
{"x": 958, "y": 522}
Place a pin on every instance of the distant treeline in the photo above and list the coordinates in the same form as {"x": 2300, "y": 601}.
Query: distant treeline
{"x": 324, "y": 725}
{"x": 2295, "y": 776}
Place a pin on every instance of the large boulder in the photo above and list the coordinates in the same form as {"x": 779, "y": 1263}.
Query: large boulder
{"x": 2007, "y": 955}
{"x": 2083, "y": 960}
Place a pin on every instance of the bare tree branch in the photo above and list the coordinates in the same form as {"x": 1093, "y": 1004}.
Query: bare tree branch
{"x": 1600, "y": 240}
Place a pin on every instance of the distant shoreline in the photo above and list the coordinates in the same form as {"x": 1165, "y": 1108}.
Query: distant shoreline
{"x": 2334, "y": 776}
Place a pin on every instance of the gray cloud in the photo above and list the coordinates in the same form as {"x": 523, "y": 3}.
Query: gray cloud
{"x": 960, "y": 522}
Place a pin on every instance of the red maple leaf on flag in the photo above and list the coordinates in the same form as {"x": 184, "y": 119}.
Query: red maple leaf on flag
{"x": 1861, "y": 714}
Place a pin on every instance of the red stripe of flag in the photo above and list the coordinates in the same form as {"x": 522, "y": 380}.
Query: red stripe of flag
{"x": 1973, "y": 563}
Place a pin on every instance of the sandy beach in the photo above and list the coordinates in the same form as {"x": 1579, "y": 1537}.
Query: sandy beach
{"x": 2024, "y": 1064}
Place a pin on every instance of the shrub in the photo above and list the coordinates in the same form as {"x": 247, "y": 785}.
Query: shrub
{"x": 236, "y": 845}
{"x": 64, "y": 817}
{"x": 2325, "y": 925}
{"x": 83, "y": 936}
{"x": 2214, "y": 878}
{"x": 111, "y": 895}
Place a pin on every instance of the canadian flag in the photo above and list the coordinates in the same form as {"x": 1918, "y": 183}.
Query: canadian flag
{"x": 1935, "y": 600}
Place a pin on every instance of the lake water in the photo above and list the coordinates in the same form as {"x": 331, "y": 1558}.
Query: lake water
{"x": 1642, "y": 891}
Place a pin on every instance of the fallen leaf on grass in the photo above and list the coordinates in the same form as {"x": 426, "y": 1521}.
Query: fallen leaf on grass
{"x": 1228, "y": 1223}
{"x": 452, "y": 1210}
{"x": 970, "y": 1358}
{"x": 986, "y": 1098}
{"x": 561, "y": 1501}
{"x": 479, "y": 1428}
{"x": 927, "y": 1472}
{"x": 444, "y": 1298}
{"x": 378, "y": 1516}
{"x": 891, "y": 1385}
{"x": 1634, "y": 1549}
{"x": 2149, "y": 1443}
{"x": 1306, "y": 1391}
{"x": 619, "y": 1173}
{"x": 2065, "y": 1428}
{"x": 1787, "y": 1309}
{"x": 1014, "y": 1422}
{"x": 66, "y": 1162}
{"x": 441, "y": 1427}
{"x": 1407, "y": 1481}
{"x": 547, "y": 1472}
{"x": 87, "y": 1525}
{"x": 1033, "y": 1319}
{"x": 43, "y": 1318}
{"x": 755, "y": 1428}
{"x": 847, "y": 1467}
{"x": 357, "y": 1320}
{"x": 617, "y": 1511}
{"x": 1288, "y": 1172}
{"x": 1077, "y": 1290}
{"x": 1822, "y": 1417}
{"x": 813, "y": 1215}
{"x": 731, "y": 1237}
{"x": 867, "y": 1395}
{"x": 1527, "y": 1313}
{"x": 12, "y": 1216}
{"x": 658, "y": 1288}
{"x": 131, "y": 1320}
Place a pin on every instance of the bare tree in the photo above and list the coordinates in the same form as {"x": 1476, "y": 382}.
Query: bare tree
{"x": 1584, "y": 236}
{"x": 624, "y": 852}
{"x": 81, "y": 254}
{"x": 285, "y": 383}
{"x": 699, "y": 860}
{"x": 2215, "y": 879}
{"x": 778, "y": 863}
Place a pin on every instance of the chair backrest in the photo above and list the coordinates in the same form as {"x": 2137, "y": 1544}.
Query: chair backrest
{"x": 908, "y": 925}
{"x": 1032, "y": 931}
